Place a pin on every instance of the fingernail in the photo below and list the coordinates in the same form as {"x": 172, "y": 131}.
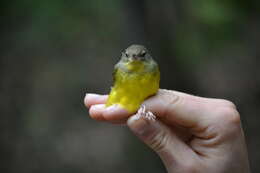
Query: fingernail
{"x": 97, "y": 108}
{"x": 91, "y": 95}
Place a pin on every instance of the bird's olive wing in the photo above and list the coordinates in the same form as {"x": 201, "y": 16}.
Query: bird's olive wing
{"x": 115, "y": 73}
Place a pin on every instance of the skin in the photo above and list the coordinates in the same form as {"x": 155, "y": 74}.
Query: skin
{"x": 190, "y": 134}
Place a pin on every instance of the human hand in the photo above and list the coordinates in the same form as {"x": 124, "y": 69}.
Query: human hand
{"x": 191, "y": 134}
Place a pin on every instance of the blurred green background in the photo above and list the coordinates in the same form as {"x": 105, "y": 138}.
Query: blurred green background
{"x": 53, "y": 52}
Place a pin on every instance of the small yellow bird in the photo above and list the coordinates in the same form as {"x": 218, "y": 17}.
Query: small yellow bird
{"x": 136, "y": 77}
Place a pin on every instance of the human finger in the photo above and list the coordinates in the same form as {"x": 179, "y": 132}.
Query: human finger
{"x": 179, "y": 108}
{"x": 100, "y": 112}
{"x": 92, "y": 99}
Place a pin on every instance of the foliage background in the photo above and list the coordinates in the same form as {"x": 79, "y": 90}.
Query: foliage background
{"x": 53, "y": 52}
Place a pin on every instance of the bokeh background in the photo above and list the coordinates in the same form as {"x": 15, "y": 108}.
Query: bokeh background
{"x": 53, "y": 52}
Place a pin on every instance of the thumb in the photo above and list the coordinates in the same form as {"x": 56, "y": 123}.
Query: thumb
{"x": 160, "y": 138}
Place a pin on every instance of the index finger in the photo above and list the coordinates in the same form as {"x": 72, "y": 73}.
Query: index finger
{"x": 172, "y": 106}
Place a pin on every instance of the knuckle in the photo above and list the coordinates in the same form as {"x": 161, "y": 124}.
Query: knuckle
{"x": 231, "y": 115}
{"x": 169, "y": 96}
{"x": 229, "y": 120}
{"x": 159, "y": 141}
{"x": 228, "y": 103}
{"x": 170, "y": 99}
{"x": 227, "y": 112}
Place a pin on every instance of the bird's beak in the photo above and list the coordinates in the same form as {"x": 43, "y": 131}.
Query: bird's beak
{"x": 134, "y": 58}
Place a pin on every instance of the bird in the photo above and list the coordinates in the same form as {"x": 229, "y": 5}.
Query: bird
{"x": 135, "y": 78}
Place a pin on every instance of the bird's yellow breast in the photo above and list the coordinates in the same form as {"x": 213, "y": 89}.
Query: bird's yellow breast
{"x": 132, "y": 87}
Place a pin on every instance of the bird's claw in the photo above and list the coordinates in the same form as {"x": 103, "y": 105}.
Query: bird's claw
{"x": 142, "y": 112}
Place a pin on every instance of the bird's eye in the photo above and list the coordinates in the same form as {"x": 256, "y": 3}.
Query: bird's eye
{"x": 124, "y": 53}
{"x": 142, "y": 54}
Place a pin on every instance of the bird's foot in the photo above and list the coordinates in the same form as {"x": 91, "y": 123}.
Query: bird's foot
{"x": 142, "y": 112}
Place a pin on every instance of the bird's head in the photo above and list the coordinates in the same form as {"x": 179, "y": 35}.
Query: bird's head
{"x": 136, "y": 53}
